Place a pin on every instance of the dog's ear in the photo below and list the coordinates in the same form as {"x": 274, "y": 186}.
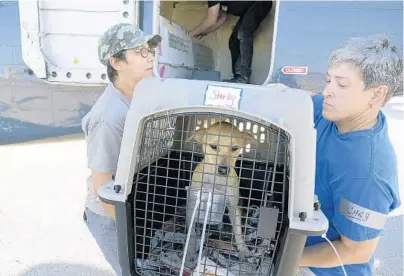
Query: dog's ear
{"x": 198, "y": 135}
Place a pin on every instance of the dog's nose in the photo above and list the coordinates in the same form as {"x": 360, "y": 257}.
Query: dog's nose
{"x": 223, "y": 170}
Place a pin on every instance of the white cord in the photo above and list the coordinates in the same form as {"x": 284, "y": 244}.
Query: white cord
{"x": 336, "y": 253}
{"x": 203, "y": 232}
{"x": 189, "y": 232}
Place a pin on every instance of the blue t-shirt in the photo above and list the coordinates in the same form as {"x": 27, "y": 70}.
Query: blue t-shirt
{"x": 356, "y": 183}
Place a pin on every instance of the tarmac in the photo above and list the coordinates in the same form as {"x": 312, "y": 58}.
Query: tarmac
{"x": 42, "y": 192}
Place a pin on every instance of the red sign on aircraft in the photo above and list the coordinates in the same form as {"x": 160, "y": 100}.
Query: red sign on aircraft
{"x": 294, "y": 70}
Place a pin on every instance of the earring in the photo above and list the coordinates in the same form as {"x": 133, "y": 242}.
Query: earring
{"x": 370, "y": 105}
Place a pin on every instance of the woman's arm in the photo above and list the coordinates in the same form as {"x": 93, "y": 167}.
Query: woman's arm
{"x": 350, "y": 252}
{"x": 210, "y": 20}
{"x": 219, "y": 23}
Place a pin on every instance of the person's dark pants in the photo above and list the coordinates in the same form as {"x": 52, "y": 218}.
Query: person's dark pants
{"x": 241, "y": 41}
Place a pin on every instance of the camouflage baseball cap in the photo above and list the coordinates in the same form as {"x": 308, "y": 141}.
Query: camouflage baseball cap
{"x": 123, "y": 36}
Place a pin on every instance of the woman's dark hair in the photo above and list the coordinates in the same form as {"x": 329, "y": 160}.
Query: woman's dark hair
{"x": 111, "y": 72}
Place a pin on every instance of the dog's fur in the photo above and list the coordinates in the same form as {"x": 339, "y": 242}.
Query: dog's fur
{"x": 222, "y": 143}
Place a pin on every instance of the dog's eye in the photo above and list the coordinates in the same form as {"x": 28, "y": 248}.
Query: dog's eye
{"x": 213, "y": 147}
{"x": 234, "y": 148}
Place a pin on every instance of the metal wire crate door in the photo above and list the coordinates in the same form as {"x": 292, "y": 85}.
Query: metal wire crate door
{"x": 164, "y": 199}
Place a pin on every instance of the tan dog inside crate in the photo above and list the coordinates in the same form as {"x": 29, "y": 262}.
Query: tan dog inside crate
{"x": 222, "y": 143}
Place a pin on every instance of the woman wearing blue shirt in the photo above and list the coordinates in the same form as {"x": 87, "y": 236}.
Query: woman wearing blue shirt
{"x": 356, "y": 167}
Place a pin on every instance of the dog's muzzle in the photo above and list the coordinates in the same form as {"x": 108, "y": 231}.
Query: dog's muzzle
{"x": 223, "y": 170}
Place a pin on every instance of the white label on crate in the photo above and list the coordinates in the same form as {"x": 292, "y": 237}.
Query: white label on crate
{"x": 223, "y": 96}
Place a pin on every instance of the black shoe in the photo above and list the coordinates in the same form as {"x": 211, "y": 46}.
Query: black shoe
{"x": 238, "y": 79}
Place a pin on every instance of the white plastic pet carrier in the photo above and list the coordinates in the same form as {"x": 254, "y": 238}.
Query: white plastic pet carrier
{"x": 166, "y": 226}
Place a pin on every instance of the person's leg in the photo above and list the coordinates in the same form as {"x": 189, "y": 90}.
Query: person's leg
{"x": 104, "y": 232}
{"x": 250, "y": 23}
{"x": 234, "y": 45}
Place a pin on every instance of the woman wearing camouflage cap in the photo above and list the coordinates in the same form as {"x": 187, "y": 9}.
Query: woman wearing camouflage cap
{"x": 129, "y": 57}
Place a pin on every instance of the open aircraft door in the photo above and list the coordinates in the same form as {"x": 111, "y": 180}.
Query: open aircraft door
{"x": 59, "y": 38}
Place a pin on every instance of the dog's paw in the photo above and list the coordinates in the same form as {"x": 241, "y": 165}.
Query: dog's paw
{"x": 243, "y": 251}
